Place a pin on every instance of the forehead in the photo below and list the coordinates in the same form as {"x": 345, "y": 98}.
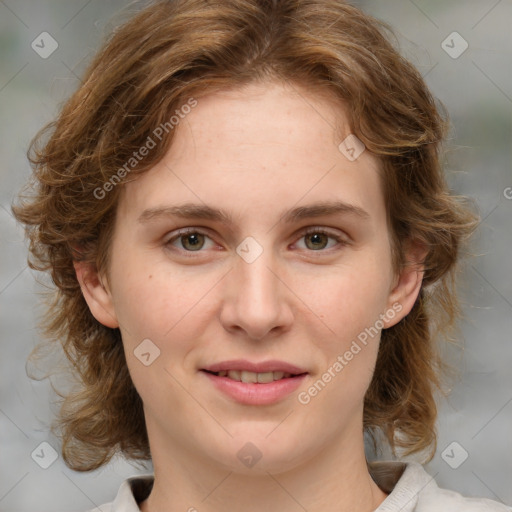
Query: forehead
{"x": 259, "y": 148}
{"x": 269, "y": 113}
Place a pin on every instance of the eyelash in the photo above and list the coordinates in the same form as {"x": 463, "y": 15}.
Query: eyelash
{"x": 309, "y": 231}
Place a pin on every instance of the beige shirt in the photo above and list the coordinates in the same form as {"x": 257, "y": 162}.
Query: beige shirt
{"x": 410, "y": 489}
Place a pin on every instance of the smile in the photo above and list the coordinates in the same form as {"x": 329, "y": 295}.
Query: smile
{"x": 247, "y": 376}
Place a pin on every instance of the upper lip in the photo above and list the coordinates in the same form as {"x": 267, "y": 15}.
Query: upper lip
{"x": 262, "y": 367}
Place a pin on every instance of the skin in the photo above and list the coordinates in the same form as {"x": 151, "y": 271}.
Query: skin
{"x": 255, "y": 152}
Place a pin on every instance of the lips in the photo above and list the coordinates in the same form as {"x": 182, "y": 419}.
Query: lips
{"x": 251, "y": 383}
{"x": 255, "y": 393}
{"x": 242, "y": 365}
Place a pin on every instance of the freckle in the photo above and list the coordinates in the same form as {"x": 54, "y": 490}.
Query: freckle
{"x": 150, "y": 276}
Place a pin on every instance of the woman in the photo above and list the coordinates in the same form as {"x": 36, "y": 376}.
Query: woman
{"x": 245, "y": 216}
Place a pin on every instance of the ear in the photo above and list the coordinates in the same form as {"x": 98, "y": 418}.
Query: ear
{"x": 407, "y": 285}
{"x": 96, "y": 294}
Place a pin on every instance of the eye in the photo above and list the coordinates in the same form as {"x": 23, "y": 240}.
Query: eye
{"x": 317, "y": 239}
{"x": 190, "y": 240}
{"x": 194, "y": 240}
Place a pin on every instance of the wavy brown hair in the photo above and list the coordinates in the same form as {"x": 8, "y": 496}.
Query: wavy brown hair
{"x": 170, "y": 52}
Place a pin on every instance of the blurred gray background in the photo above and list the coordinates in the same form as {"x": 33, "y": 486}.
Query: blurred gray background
{"x": 474, "y": 453}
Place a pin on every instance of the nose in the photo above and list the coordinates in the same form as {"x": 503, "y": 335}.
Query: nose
{"x": 257, "y": 301}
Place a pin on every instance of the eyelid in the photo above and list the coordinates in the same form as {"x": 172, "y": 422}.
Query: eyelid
{"x": 186, "y": 231}
{"x": 328, "y": 231}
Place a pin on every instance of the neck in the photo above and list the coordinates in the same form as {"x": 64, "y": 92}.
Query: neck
{"x": 334, "y": 480}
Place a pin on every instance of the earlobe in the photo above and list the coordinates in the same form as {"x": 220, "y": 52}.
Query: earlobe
{"x": 96, "y": 294}
{"x": 408, "y": 284}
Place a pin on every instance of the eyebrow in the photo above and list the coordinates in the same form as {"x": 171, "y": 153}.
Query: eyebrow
{"x": 202, "y": 211}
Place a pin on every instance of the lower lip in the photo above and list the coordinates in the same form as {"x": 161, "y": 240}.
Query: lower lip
{"x": 251, "y": 393}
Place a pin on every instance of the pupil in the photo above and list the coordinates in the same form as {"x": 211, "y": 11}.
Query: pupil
{"x": 316, "y": 239}
{"x": 193, "y": 241}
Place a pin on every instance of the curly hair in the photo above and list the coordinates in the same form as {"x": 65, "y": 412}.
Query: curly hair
{"x": 150, "y": 66}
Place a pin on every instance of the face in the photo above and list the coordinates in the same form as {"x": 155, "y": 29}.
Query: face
{"x": 276, "y": 277}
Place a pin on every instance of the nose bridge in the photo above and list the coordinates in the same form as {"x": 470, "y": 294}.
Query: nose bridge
{"x": 257, "y": 298}
{"x": 258, "y": 283}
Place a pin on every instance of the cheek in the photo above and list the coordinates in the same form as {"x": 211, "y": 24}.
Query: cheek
{"x": 349, "y": 353}
{"x": 351, "y": 299}
{"x": 350, "y": 304}
{"x": 167, "y": 311}
{"x": 156, "y": 302}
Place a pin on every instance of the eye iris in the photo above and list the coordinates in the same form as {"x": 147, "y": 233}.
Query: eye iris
{"x": 317, "y": 237}
{"x": 193, "y": 241}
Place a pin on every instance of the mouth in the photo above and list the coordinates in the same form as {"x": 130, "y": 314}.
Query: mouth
{"x": 254, "y": 377}
{"x": 251, "y": 383}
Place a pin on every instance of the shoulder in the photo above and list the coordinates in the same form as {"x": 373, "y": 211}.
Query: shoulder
{"x": 107, "y": 507}
{"x": 131, "y": 492}
{"x": 412, "y": 489}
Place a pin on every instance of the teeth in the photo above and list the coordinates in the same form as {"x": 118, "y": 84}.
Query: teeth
{"x": 248, "y": 376}
{"x": 233, "y": 374}
{"x": 252, "y": 377}
{"x": 263, "y": 378}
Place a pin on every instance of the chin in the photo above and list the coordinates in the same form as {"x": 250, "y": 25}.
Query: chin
{"x": 259, "y": 454}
